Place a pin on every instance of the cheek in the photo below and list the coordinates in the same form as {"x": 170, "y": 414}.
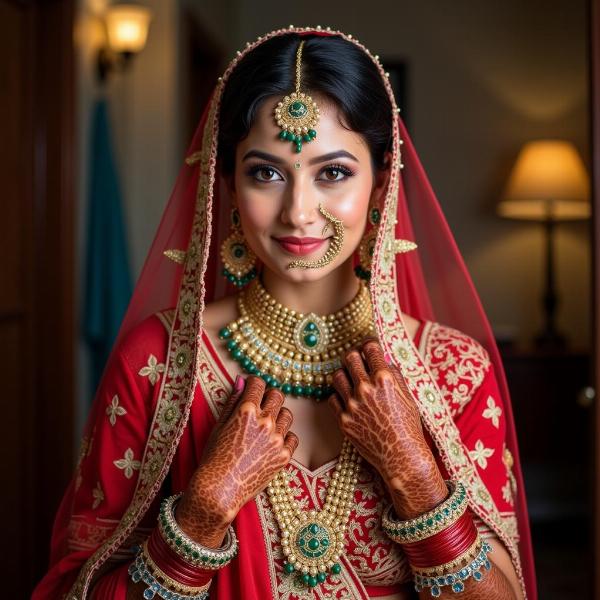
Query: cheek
{"x": 353, "y": 204}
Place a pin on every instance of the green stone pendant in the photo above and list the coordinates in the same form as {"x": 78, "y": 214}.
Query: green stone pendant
{"x": 297, "y": 115}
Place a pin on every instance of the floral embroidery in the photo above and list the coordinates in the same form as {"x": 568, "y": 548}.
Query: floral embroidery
{"x": 386, "y": 306}
{"x": 127, "y": 463}
{"x": 114, "y": 410}
{"x": 480, "y": 454}
{"x": 508, "y": 460}
{"x": 152, "y": 370}
{"x": 492, "y": 412}
{"x": 98, "y": 495}
{"x": 507, "y": 492}
{"x": 168, "y": 416}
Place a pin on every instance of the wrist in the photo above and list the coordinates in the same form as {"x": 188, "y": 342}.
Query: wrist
{"x": 417, "y": 492}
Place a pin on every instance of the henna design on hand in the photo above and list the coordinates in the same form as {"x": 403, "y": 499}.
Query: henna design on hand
{"x": 375, "y": 409}
{"x": 249, "y": 444}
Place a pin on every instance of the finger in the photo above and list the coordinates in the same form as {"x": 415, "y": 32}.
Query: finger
{"x": 284, "y": 420}
{"x": 354, "y": 364}
{"x": 273, "y": 401}
{"x": 232, "y": 401}
{"x": 342, "y": 385}
{"x": 335, "y": 403}
{"x": 291, "y": 442}
{"x": 254, "y": 390}
{"x": 399, "y": 378}
{"x": 373, "y": 354}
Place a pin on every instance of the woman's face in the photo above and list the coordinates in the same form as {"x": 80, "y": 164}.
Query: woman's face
{"x": 278, "y": 191}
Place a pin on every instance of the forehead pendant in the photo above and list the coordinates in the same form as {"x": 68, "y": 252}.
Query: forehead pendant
{"x": 297, "y": 114}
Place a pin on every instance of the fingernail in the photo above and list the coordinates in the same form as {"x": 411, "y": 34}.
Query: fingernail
{"x": 388, "y": 358}
{"x": 239, "y": 383}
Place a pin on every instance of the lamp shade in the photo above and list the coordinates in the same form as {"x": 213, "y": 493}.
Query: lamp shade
{"x": 548, "y": 181}
{"x": 127, "y": 27}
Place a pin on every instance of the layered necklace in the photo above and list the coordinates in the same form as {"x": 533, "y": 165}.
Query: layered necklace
{"x": 294, "y": 351}
{"x": 298, "y": 353}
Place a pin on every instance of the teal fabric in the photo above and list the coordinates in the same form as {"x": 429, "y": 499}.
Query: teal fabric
{"x": 108, "y": 286}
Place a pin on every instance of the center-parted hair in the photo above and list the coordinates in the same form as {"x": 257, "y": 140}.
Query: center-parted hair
{"x": 331, "y": 66}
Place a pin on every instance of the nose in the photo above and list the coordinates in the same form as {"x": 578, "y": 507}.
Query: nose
{"x": 300, "y": 207}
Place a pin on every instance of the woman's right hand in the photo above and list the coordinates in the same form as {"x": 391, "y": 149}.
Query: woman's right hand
{"x": 249, "y": 444}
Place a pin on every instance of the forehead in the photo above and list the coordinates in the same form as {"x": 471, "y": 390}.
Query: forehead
{"x": 332, "y": 134}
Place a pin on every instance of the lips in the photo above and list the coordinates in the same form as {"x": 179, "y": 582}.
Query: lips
{"x": 300, "y": 246}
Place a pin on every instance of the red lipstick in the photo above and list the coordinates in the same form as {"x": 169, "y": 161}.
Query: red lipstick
{"x": 300, "y": 246}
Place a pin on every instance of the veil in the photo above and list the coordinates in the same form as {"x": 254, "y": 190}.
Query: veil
{"x": 182, "y": 270}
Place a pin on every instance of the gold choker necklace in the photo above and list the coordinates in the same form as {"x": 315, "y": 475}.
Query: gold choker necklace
{"x": 293, "y": 351}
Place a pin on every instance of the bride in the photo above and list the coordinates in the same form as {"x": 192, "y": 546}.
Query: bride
{"x": 320, "y": 411}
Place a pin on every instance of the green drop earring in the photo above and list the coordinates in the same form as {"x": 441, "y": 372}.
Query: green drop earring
{"x": 238, "y": 259}
{"x": 297, "y": 114}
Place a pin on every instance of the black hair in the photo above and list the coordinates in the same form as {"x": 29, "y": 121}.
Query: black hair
{"x": 331, "y": 66}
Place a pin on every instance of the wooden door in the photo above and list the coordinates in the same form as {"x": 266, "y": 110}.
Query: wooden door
{"x": 36, "y": 280}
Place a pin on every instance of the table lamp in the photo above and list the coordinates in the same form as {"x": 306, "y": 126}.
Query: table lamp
{"x": 548, "y": 184}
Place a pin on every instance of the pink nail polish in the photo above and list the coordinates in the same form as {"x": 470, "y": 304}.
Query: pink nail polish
{"x": 239, "y": 383}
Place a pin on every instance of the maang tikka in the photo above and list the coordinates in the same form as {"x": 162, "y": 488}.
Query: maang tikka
{"x": 238, "y": 259}
{"x": 297, "y": 114}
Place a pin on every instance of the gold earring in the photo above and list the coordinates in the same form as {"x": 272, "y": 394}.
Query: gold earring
{"x": 334, "y": 247}
{"x": 238, "y": 259}
{"x": 367, "y": 246}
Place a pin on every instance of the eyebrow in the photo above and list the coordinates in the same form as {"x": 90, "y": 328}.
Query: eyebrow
{"x": 313, "y": 161}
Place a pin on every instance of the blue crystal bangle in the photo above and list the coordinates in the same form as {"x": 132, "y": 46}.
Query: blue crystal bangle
{"x": 456, "y": 579}
{"x": 140, "y": 571}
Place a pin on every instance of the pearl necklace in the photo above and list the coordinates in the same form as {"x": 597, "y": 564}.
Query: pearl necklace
{"x": 313, "y": 541}
{"x": 291, "y": 350}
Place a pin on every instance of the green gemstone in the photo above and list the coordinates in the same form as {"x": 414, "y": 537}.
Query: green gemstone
{"x": 195, "y": 555}
{"x": 266, "y": 378}
{"x": 321, "y": 577}
{"x": 231, "y": 344}
{"x": 238, "y": 252}
{"x": 178, "y": 541}
{"x": 306, "y": 138}
{"x": 297, "y": 109}
{"x": 318, "y": 393}
{"x": 237, "y": 354}
{"x": 246, "y": 362}
{"x": 429, "y": 522}
{"x": 336, "y": 569}
{"x": 299, "y": 147}
{"x": 313, "y": 544}
{"x": 289, "y": 568}
{"x": 283, "y": 135}
{"x": 305, "y": 577}
{"x": 298, "y": 390}
{"x": 311, "y": 340}
{"x": 325, "y": 542}
{"x": 375, "y": 215}
{"x": 224, "y": 333}
{"x": 314, "y": 528}
{"x": 312, "y": 133}
{"x": 310, "y": 326}
{"x": 309, "y": 390}
{"x": 286, "y": 388}
{"x": 275, "y": 383}
{"x": 312, "y": 581}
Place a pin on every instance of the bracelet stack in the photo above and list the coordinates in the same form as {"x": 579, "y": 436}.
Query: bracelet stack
{"x": 174, "y": 566}
{"x": 443, "y": 546}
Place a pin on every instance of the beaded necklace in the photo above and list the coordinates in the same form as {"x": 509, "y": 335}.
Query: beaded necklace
{"x": 291, "y": 350}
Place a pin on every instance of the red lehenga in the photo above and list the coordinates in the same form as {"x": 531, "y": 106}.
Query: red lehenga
{"x": 164, "y": 384}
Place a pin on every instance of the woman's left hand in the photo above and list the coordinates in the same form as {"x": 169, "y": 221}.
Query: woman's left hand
{"x": 376, "y": 411}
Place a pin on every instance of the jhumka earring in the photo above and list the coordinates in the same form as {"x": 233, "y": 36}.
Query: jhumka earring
{"x": 297, "y": 114}
{"x": 238, "y": 259}
{"x": 367, "y": 246}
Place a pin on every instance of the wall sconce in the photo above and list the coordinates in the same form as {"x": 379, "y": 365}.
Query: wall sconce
{"x": 548, "y": 184}
{"x": 126, "y": 34}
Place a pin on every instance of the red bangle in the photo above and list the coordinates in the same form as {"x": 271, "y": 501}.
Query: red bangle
{"x": 173, "y": 566}
{"x": 443, "y": 547}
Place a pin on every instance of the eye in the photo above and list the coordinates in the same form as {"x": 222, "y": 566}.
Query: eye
{"x": 334, "y": 173}
{"x": 264, "y": 173}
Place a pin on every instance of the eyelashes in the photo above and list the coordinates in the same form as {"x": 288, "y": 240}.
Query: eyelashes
{"x": 266, "y": 168}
